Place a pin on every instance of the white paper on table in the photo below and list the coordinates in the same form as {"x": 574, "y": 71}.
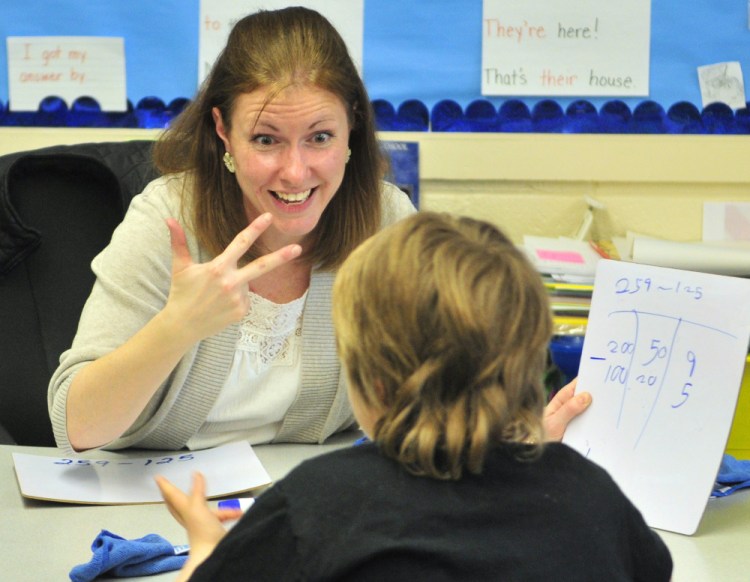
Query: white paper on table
{"x": 693, "y": 256}
{"x": 663, "y": 359}
{"x": 125, "y": 478}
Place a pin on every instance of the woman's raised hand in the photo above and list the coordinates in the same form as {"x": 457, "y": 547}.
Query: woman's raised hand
{"x": 206, "y": 297}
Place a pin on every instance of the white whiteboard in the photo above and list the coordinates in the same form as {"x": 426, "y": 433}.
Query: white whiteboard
{"x": 663, "y": 358}
{"x": 566, "y": 47}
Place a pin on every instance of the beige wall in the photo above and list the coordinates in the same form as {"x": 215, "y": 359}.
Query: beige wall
{"x": 535, "y": 183}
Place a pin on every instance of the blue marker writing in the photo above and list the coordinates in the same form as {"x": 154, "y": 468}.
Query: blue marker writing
{"x": 242, "y": 504}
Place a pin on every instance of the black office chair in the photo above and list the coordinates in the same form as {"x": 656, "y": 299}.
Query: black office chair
{"x": 58, "y": 208}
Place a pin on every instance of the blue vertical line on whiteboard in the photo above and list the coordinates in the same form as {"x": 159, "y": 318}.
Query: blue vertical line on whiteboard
{"x": 626, "y": 386}
{"x": 661, "y": 384}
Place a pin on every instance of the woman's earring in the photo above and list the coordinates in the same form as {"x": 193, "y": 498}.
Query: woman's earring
{"x": 348, "y": 155}
{"x": 229, "y": 162}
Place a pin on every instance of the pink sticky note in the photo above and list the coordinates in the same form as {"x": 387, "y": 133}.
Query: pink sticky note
{"x": 560, "y": 256}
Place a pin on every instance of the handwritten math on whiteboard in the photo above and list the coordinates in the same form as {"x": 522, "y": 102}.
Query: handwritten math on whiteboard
{"x": 663, "y": 358}
{"x": 566, "y": 47}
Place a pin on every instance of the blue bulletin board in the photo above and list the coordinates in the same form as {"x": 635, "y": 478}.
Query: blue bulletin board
{"x": 425, "y": 50}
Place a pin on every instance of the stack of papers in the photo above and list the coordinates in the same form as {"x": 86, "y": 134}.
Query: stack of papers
{"x": 570, "y": 304}
{"x": 564, "y": 259}
{"x": 567, "y": 267}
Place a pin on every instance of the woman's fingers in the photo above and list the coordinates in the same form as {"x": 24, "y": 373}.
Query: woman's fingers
{"x": 206, "y": 297}
{"x": 268, "y": 262}
{"x": 245, "y": 239}
{"x": 181, "y": 258}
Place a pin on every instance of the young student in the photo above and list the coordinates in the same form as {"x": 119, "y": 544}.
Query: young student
{"x": 442, "y": 326}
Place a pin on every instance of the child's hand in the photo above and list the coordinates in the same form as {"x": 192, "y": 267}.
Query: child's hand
{"x": 203, "y": 525}
{"x": 563, "y": 408}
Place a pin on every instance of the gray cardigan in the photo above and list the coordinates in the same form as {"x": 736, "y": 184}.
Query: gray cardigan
{"x": 132, "y": 284}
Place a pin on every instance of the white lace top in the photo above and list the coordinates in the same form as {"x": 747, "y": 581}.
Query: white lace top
{"x": 264, "y": 377}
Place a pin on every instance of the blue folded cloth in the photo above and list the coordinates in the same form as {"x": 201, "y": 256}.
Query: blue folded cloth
{"x": 116, "y": 556}
{"x": 734, "y": 474}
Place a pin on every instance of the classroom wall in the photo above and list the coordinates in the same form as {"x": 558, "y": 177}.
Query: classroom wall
{"x": 431, "y": 50}
{"x": 418, "y": 49}
{"x": 534, "y": 183}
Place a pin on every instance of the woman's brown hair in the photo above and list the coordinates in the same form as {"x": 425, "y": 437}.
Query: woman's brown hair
{"x": 443, "y": 325}
{"x": 274, "y": 50}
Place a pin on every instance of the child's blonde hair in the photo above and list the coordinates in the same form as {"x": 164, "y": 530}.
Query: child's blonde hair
{"x": 443, "y": 325}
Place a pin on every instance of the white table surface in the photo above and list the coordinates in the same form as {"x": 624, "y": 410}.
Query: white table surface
{"x": 42, "y": 541}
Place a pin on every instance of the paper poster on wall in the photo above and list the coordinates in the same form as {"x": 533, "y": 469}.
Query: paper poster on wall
{"x": 723, "y": 83}
{"x": 68, "y": 67}
{"x": 566, "y": 47}
{"x": 217, "y": 17}
{"x": 663, "y": 358}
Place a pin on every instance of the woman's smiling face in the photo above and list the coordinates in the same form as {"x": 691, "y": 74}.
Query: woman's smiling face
{"x": 290, "y": 154}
